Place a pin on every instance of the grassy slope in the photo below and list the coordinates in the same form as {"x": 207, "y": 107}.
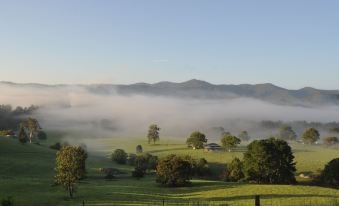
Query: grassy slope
{"x": 26, "y": 174}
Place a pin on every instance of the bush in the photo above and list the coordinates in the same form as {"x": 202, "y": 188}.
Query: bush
{"x": 174, "y": 170}
{"x": 119, "y": 156}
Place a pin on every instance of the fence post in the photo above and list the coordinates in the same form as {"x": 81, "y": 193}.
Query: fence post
{"x": 163, "y": 202}
{"x": 257, "y": 200}
{"x": 83, "y": 203}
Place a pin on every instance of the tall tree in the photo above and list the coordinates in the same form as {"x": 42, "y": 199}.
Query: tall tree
{"x": 153, "y": 133}
{"x": 310, "y": 136}
{"x": 196, "y": 140}
{"x": 229, "y": 142}
{"x": 70, "y": 167}
{"x": 269, "y": 161}
{"x": 32, "y": 126}
{"x": 287, "y": 133}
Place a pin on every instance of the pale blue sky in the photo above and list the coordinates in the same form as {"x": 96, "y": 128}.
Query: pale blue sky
{"x": 291, "y": 43}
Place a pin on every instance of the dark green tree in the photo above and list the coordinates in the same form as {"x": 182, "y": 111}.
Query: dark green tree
{"x": 269, "y": 161}
{"x": 235, "y": 170}
{"x": 330, "y": 174}
{"x": 287, "y": 133}
{"x": 229, "y": 142}
{"x": 119, "y": 156}
{"x": 153, "y": 133}
{"x": 310, "y": 136}
{"x": 243, "y": 136}
{"x": 174, "y": 170}
{"x": 70, "y": 167}
{"x": 196, "y": 140}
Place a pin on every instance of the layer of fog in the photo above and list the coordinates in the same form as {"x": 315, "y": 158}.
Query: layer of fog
{"x": 74, "y": 109}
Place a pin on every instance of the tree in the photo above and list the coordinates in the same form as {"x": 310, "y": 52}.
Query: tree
{"x": 330, "y": 141}
{"x": 173, "y": 170}
{"x": 243, "y": 136}
{"x": 131, "y": 159}
{"x": 139, "y": 149}
{"x": 23, "y": 138}
{"x": 152, "y": 161}
{"x": 335, "y": 130}
{"x": 202, "y": 169}
{"x": 235, "y": 170}
{"x": 330, "y": 175}
{"x": 42, "y": 135}
{"x": 196, "y": 140}
{"x": 32, "y": 126}
{"x": 153, "y": 133}
{"x": 269, "y": 161}
{"x": 310, "y": 136}
{"x": 119, "y": 156}
{"x": 70, "y": 167}
{"x": 141, "y": 165}
{"x": 229, "y": 142}
{"x": 287, "y": 133}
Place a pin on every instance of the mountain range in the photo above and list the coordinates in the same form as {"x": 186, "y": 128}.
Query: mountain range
{"x": 198, "y": 89}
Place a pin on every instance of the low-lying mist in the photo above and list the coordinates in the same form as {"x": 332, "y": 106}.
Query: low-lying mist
{"x": 74, "y": 109}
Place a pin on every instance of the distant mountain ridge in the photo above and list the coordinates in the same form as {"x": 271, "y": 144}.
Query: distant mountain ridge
{"x": 204, "y": 90}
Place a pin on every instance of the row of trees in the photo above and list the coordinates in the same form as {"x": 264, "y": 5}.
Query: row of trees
{"x": 310, "y": 136}
{"x": 197, "y": 140}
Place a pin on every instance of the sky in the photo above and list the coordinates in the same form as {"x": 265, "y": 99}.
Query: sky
{"x": 289, "y": 43}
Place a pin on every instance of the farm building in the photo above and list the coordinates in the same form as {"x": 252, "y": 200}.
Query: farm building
{"x": 212, "y": 147}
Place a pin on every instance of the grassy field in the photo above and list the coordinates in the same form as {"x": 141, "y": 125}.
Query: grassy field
{"x": 26, "y": 174}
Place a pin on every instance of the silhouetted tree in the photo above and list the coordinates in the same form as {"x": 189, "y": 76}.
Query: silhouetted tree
{"x": 243, "y": 136}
